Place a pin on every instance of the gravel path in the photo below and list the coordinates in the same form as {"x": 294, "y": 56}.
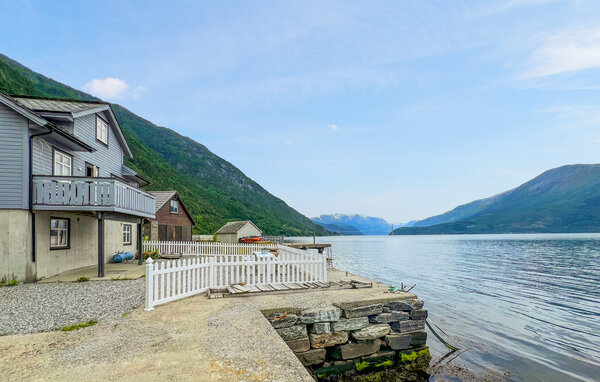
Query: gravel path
{"x": 42, "y": 307}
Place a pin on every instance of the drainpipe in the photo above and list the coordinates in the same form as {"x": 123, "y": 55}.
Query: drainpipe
{"x": 31, "y": 188}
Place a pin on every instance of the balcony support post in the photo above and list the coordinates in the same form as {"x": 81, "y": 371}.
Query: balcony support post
{"x": 139, "y": 241}
{"x": 100, "y": 244}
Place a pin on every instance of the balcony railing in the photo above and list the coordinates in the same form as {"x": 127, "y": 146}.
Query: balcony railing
{"x": 71, "y": 193}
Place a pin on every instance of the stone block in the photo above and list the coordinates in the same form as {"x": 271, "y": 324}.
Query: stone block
{"x": 418, "y": 338}
{"x": 328, "y": 314}
{"x": 371, "y": 332}
{"x": 363, "y": 311}
{"x": 282, "y": 320}
{"x": 410, "y": 355}
{"x": 319, "y": 341}
{"x": 405, "y": 305}
{"x": 298, "y": 346}
{"x": 408, "y": 326}
{"x": 385, "y": 318}
{"x": 312, "y": 357}
{"x": 379, "y": 360}
{"x": 397, "y": 341}
{"x": 350, "y": 324}
{"x": 320, "y": 328}
{"x": 295, "y": 332}
{"x": 355, "y": 350}
{"x": 334, "y": 368}
{"x": 418, "y": 314}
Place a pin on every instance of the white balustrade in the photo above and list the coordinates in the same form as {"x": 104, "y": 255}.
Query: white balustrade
{"x": 91, "y": 194}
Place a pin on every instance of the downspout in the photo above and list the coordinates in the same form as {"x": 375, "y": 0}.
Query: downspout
{"x": 31, "y": 188}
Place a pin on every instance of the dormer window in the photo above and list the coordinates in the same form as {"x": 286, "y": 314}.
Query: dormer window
{"x": 174, "y": 207}
{"x": 101, "y": 130}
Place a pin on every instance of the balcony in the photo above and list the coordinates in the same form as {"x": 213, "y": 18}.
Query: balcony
{"x": 71, "y": 193}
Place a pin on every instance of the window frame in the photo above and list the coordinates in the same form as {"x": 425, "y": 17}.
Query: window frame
{"x": 54, "y": 151}
{"x": 107, "y": 130}
{"x": 176, "y": 206}
{"x": 130, "y": 234}
{"x": 68, "y": 230}
{"x": 94, "y": 167}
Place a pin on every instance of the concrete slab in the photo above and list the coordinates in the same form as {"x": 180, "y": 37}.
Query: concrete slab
{"x": 112, "y": 271}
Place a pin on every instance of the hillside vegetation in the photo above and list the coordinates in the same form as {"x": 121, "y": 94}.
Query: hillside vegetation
{"x": 213, "y": 189}
{"x": 564, "y": 199}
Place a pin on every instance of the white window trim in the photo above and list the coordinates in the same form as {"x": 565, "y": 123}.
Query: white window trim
{"x": 127, "y": 233}
{"x": 101, "y": 130}
{"x": 62, "y": 165}
{"x": 176, "y": 206}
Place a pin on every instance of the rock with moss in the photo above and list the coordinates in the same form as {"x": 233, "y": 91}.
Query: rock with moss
{"x": 371, "y": 332}
{"x": 319, "y": 341}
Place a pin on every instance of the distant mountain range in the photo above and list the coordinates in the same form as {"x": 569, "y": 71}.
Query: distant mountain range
{"x": 353, "y": 224}
{"x": 564, "y": 199}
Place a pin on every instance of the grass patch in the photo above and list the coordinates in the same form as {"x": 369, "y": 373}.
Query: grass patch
{"x": 125, "y": 314}
{"x": 119, "y": 278}
{"x": 8, "y": 283}
{"x": 83, "y": 279}
{"x": 79, "y": 326}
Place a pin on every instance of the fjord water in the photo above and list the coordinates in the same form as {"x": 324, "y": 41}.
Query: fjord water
{"x": 528, "y": 305}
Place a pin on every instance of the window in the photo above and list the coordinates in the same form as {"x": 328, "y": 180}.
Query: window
{"x": 63, "y": 164}
{"x": 59, "y": 233}
{"x": 91, "y": 170}
{"x": 174, "y": 207}
{"x": 101, "y": 130}
{"x": 126, "y": 234}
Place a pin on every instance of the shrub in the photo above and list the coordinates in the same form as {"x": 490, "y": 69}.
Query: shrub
{"x": 83, "y": 279}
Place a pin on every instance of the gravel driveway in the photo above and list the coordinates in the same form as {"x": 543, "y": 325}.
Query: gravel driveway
{"x": 39, "y": 307}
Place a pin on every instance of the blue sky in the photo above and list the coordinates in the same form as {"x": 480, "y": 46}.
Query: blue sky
{"x": 398, "y": 109}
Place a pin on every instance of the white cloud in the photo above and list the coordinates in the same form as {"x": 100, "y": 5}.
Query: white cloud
{"x": 565, "y": 52}
{"x": 108, "y": 87}
{"x": 333, "y": 127}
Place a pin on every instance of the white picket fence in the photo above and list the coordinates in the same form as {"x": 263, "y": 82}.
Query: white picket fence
{"x": 194, "y": 248}
{"x": 169, "y": 280}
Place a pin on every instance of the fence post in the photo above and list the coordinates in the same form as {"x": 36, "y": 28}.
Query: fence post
{"x": 324, "y": 267}
{"x": 149, "y": 284}
{"x": 211, "y": 272}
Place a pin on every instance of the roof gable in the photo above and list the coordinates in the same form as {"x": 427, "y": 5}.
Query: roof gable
{"x": 235, "y": 227}
{"x": 162, "y": 197}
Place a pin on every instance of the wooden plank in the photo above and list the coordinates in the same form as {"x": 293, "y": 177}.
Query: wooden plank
{"x": 279, "y": 286}
{"x": 301, "y": 286}
{"x": 292, "y": 286}
{"x": 253, "y": 288}
{"x": 232, "y": 290}
{"x": 322, "y": 284}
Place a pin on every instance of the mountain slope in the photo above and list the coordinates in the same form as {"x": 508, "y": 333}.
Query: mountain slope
{"x": 344, "y": 230}
{"x": 367, "y": 225}
{"x": 214, "y": 190}
{"x": 564, "y": 199}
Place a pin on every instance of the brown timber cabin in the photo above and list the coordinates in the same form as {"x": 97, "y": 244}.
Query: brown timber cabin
{"x": 173, "y": 222}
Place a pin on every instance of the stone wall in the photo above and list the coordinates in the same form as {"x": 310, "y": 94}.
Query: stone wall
{"x": 355, "y": 338}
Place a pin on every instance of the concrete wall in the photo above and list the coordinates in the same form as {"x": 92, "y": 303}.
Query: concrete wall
{"x": 83, "y": 251}
{"x": 15, "y": 245}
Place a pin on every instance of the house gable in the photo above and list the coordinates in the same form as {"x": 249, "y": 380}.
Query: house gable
{"x": 165, "y": 217}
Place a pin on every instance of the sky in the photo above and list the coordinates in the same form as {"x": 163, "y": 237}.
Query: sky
{"x": 399, "y": 109}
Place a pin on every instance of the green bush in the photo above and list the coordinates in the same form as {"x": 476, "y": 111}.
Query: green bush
{"x": 83, "y": 279}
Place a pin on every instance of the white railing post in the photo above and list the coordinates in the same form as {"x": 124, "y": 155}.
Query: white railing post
{"x": 149, "y": 284}
{"x": 324, "y": 267}
{"x": 211, "y": 272}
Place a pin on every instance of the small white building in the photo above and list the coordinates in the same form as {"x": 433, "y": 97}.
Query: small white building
{"x": 232, "y": 232}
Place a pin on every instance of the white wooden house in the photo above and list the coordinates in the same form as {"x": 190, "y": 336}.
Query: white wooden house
{"x": 66, "y": 198}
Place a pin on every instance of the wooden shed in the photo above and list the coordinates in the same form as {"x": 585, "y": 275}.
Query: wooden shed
{"x": 232, "y": 232}
{"x": 173, "y": 221}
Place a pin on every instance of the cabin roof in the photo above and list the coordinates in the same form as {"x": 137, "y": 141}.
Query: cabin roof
{"x": 234, "y": 227}
{"x": 162, "y": 197}
{"x": 57, "y": 105}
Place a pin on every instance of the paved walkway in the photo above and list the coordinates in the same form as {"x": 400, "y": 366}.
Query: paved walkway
{"x": 194, "y": 339}
{"x": 112, "y": 271}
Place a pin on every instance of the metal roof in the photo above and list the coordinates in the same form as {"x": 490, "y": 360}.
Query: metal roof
{"x": 60, "y": 106}
{"x": 234, "y": 227}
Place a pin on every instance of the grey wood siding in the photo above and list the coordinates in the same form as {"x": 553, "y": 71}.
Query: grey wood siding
{"x": 14, "y": 160}
{"x": 108, "y": 159}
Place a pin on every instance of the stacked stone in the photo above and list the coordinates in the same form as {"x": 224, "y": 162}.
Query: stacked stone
{"x": 355, "y": 336}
